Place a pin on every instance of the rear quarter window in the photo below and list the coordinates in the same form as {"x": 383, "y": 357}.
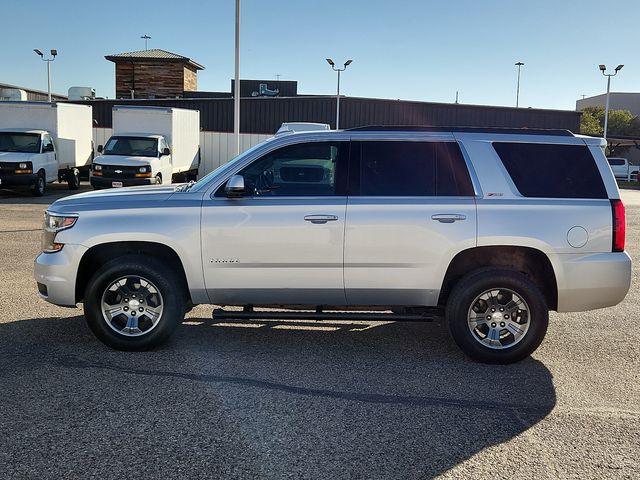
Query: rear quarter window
{"x": 551, "y": 171}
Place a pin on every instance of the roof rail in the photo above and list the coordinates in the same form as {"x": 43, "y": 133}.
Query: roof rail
{"x": 288, "y": 127}
{"x": 503, "y": 130}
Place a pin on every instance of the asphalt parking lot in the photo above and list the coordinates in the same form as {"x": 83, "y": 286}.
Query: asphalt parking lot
{"x": 302, "y": 400}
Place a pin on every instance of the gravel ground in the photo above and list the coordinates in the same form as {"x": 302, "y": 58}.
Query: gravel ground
{"x": 288, "y": 400}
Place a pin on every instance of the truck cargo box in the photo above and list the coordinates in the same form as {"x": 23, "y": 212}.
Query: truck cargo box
{"x": 70, "y": 127}
{"x": 180, "y": 128}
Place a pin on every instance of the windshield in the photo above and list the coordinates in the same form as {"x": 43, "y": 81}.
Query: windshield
{"x": 132, "y": 146}
{"x": 19, "y": 142}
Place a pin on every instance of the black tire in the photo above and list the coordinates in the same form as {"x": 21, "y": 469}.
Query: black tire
{"x": 167, "y": 283}
{"x": 158, "y": 179}
{"x": 40, "y": 186}
{"x": 73, "y": 179}
{"x": 464, "y": 298}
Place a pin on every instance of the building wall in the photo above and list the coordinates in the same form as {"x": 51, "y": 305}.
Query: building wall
{"x": 265, "y": 115}
{"x": 617, "y": 101}
{"x": 190, "y": 79}
{"x": 150, "y": 79}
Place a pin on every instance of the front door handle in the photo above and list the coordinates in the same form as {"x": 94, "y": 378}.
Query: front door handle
{"x": 448, "y": 217}
{"x": 320, "y": 218}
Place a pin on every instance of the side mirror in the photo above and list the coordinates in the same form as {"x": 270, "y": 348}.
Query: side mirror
{"x": 235, "y": 187}
{"x": 166, "y": 151}
{"x": 48, "y": 148}
{"x": 100, "y": 148}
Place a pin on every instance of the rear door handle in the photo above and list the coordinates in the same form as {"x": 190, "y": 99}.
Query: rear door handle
{"x": 320, "y": 218}
{"x": 448, "y": 217}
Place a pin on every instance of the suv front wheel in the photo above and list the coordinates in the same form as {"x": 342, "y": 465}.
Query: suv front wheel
{"x": 497, "y": 316}
{"x": 133, "y": 303}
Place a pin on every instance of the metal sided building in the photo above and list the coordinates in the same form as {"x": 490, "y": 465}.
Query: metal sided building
{"x": 261, "y": 116}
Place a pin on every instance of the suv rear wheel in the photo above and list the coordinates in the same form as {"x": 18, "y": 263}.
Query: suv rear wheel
{"x": 497, "y": 316}
{"x": 132, "y": 303}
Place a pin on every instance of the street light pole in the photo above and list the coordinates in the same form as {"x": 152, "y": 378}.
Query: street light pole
{"x": 603, "y": 69}
{"x": 54, "y": 53}
{"x": 519, "y": 64}
{"x": 339, "y": 70}
{"x": 236, "y": 86}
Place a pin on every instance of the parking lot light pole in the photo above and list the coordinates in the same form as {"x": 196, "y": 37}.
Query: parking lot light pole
{"x": 519, "y": 65}
{"x": 236, "y": 85}
{"x": 603, "y": 69}
{"x": 339, "y": 70}
{"x": 54, "y": 53}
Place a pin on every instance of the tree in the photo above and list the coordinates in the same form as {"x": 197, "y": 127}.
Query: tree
{"x": 621, "y": 123}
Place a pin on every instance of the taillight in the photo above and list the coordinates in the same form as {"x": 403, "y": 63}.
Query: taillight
{"x": 619, "y": 225}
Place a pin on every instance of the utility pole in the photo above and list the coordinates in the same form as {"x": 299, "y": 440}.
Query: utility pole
{"x": 519, "y": 64}
{"x": 236, "y": 85}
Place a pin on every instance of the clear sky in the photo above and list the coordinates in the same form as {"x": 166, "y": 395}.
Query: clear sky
{"x": 407, "y": 49}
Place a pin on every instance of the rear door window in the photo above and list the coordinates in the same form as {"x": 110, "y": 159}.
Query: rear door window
{"x": 551, "y": 171}
{"x": 401, "y": 168}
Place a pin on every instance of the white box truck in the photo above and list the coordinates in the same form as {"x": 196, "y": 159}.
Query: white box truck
{"x": 41, "y": 142}
{"x": 149, "y": 145}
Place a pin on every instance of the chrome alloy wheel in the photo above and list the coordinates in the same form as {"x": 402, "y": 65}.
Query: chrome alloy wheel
{"x": 499, "y": 318}
{"x": 132, "y": 306}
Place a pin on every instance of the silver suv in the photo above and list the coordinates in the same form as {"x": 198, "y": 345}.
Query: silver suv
{"x": 490, "y": 227}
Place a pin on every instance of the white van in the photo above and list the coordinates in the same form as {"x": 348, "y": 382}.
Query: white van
{"x": 42, "y": 142}
{"x": 149, "y": 145}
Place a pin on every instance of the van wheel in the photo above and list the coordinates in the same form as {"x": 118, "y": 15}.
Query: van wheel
{"x": 73, "y": 179}
{"x": 40, "y": 186}
{"x": 497, "y": 316}
{"x": 158, "y": 179}
{"x": 134, "y": 303}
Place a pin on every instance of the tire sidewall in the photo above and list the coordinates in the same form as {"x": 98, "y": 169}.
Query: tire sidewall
{"x": 164, "y": 280}
{"x": 474, "y": 284}
{"x": 40, "y": 185}
{"x": 74, "y": 180}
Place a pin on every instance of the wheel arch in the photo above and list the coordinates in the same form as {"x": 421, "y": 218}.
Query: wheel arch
{"x": 100, "y": 254}
{"x": 531, "y": 262}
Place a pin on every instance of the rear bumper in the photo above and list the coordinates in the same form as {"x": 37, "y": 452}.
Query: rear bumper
{"x": 56, "y": 274}
{"x": 102, "y": 182}
{"x": 14, "y": 180}
{"x": 587, "y": 282}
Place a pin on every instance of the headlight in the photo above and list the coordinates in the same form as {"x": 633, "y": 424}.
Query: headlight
{"x": 142, "y": 169}
{"x": 97, "y": 168}
{"x": 23, "y": 165}
{"x": 52, "y": 225}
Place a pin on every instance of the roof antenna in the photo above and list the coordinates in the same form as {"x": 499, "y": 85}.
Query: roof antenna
{"x": 146, "y": 38}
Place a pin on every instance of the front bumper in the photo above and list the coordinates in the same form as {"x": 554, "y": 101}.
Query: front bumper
{"x": 19, "y": 179}
{"x": 56, "y": 274}
{"x": 102, "y": 182}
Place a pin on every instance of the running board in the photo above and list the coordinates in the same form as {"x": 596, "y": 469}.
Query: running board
{"x": 220, "y": 314}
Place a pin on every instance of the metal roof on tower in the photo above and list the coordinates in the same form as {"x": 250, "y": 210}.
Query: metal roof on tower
{"x": 154, "y": 54}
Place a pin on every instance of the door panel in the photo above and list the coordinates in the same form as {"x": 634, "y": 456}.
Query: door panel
{"x": 411, "y": 210}
{"x": 263, "y": 251}
{"x": 282, "y": 242}
{"x": 396, "y": 253}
